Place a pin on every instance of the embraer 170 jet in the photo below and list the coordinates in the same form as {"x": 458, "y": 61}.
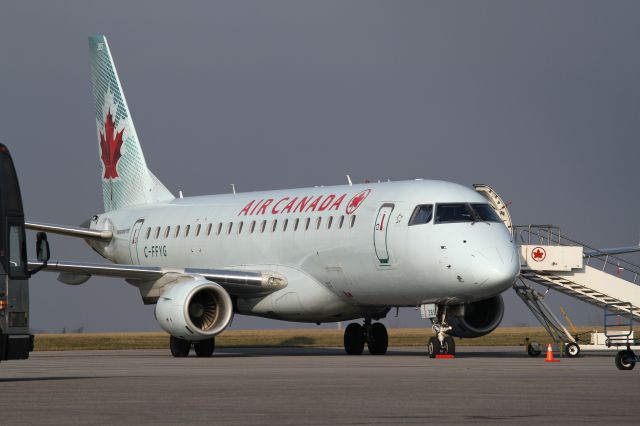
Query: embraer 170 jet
{"x": 322, "y": 254}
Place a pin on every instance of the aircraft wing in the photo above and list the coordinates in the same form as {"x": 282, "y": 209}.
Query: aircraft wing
{"x": 612, "y": 251}
{"x": 70, "y": 231}
{"x": 236, "y": 282}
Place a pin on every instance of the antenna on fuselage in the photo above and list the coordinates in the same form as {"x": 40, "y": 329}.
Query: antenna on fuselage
{"x": 349, "y": 180}
{"x": 180, "y": 194}
{"x": 233, "y": 188}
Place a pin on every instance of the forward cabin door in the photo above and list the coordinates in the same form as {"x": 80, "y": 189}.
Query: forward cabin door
{"x": 133, "y": 245}
{"x": 380, "y": 233}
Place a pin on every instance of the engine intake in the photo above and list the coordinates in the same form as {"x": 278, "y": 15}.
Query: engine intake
{"x": 196, "y": 309}
{"x": 478, "y": 318}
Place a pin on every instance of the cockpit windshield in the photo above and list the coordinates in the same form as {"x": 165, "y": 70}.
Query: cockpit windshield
{"x": 454, "y": 212}
{"x": 486, "y": 213}
{"x": 465, "y": 212}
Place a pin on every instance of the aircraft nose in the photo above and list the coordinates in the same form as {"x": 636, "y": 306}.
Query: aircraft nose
{"x": 496, "y": 267}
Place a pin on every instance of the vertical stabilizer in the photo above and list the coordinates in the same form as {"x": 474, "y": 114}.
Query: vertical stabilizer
{"x": 126, "y": 180}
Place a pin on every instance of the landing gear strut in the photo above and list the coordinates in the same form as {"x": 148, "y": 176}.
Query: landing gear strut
{"x": 441, "y": 343}
{"x": 180, "y": 348}
{"x": 374, "y": 335}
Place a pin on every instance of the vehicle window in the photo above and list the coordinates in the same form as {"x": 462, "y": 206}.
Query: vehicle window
{"x": 421, "y": 214}
{"x": 177, "y": 232}
{"x": 17, "y": 267}
{"x": 198, "y": 229}
{"x": 186, "y": 230}
{"x": 284, "y": 225}
{"x": 353, "y": 221}
{"x": 450, "y": 213}
{"x": 329, "y": 222}
{"x": 485, "y": 212}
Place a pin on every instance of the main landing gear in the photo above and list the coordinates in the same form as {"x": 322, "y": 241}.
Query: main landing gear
{"x": 441, "y": 344}
{"x": 374, "y": 335}
{"x": 180, "y": 348}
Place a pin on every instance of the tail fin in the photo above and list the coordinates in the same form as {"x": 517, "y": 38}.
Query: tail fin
{"x": 126, "y": 180}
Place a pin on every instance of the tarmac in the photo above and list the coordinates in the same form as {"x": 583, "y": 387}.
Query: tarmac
{"x": 258, "y": 386}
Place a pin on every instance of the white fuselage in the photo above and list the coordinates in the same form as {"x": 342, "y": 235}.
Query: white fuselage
{"x": 346, "y": 250}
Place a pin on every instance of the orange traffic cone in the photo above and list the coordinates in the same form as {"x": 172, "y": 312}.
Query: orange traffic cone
{"x": 550, "y": 357}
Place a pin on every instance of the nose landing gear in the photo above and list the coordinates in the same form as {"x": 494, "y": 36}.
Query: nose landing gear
{"x": 441, "y": 344}
{"x": 374, "y": 335}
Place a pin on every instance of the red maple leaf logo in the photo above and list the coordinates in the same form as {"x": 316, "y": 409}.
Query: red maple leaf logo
{"x": 357, "y": 199}
{"x": 538, "y": 254}
{"x": 110, "y": 147}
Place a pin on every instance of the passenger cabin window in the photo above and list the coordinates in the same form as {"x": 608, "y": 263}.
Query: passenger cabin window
{"x": 295, "y": 224}
{"x": 186, "y": 230}
{"x": 485, "y": 212}
{"x": 341, "y": 222}
{"x": 306, "y": 224}
{"x": 198, "y": 229}
{"x": 229, "y": 228}
{"x": 353, "y": 221}
{"x": 329, "y": 222}
{"x": 452, "y": 213}
{"x": 421, "y": 214}
{"x": 263, "y": 226}
{"x": 209, "y": 226}
{"x": 253, "y": 227}
{"x": 240, "y": 225}
{"x": 284, "y": 225}
{"x": 166, "y": 232}
{"x": 175, "y": 234}
{"x": 219, "y": 230}
{"x": 148, "y": 233}
{"x": 157, "y": 232}
{"x": 274, "y": 225}
{"x": 318, "y": 222}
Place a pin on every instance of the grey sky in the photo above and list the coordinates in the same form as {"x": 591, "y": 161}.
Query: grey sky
{"x": 539, "y": 99}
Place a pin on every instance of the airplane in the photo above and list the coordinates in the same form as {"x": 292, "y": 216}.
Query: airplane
{"x": 316, "y": 255}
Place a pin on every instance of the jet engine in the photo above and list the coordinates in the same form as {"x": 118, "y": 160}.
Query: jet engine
{"x": 194, "y": 309}
{"x": 478, "y": 318}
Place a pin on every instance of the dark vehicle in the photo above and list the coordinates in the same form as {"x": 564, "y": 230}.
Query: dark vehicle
{"x": 15, "y": 340}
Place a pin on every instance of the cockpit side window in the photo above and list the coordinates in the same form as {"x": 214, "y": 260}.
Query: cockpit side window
{"x": 485, "y": 213}
{"x": 454, "y": 212}
{"x": 421, "y": 214}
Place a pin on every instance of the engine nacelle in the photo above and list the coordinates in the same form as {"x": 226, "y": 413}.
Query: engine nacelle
{"x": 478, "y": 318}
{"x": 194, "y": 309}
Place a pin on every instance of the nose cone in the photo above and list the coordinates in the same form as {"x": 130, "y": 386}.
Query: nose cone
{"x": 496, "y": 268}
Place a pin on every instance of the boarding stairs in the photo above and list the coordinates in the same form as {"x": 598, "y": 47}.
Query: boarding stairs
{"x": 551, "y": 259}
{"x": 554, "y": 261}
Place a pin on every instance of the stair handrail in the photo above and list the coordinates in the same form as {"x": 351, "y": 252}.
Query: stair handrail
{"x": 550, "y": 235}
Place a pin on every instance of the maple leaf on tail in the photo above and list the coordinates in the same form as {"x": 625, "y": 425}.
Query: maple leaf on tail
{"x": 110, "y": 147}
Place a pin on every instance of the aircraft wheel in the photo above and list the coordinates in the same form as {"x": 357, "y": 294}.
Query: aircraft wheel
{"x": 205, "y": 348}
{"x": 433, "y": 347}
{"x": 449, "y": 346}
{"x": 625, "y": 360}
{"x": 179, "y": 347}
{"x": 572, "y": 350}
{"x": 354, "y": 339}
{"x": 379, "y": 339}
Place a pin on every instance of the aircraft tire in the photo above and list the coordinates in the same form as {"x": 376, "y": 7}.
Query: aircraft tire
{"x": 433, "y": 347}
{"x": 354, "y": 339}
{"x": 625, "y": 360}
{"x": 380, "y": 339}
{"x": 179, "y": 347}
{"x": 205, "y": 348}
{"x": 572, "y": 350}
{"x": 449, "y": 346}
